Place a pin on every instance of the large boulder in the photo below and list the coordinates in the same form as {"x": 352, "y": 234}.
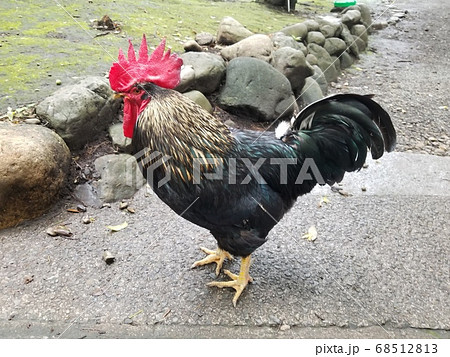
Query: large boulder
{"x": 351, "y": 17}
{"x": 208, "y": 68}
{"x": 80, "y": 112}
{"x": 316, "y": 37}
{"x": 231, "y": 31}
{"x": 292, "y": 63}
{"x": 200, "y": 99}
{"x": 280, "y": 39}
{"x": 330, "y": 26}
{"x": 319, "y": 77}
{"x": 310, "y": 92}
{"x": 34, "y": 162}
{"x": 349, "y": 40}
{"x": 205, "y": 39}
{"x": 297, "y": 31}
{"x": 120, "y": 177}
{"x": 119, "y": 141}
{"x": 257, "y": 46}
{"x": 346, "y": 60}
{"x": 255, "y": 89}
{"x": 335, "y": 46}
{"x": 364, "y": 10}
{"x": 324, "y": 61}
{"x": 361, "y": 32}
{"x": 311, "y": 25}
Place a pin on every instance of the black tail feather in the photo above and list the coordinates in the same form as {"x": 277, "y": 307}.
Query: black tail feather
{"x": 359, "y": 108}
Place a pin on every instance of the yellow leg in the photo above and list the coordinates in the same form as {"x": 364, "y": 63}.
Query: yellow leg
{"x": 214, "y": 256}
{"x": 238, "y": 282}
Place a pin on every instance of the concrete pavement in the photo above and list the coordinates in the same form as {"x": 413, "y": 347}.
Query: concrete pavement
{"x": 379, "y": 267}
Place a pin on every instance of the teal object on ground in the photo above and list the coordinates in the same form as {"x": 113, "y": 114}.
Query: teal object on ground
{"x": 344, "y": 3}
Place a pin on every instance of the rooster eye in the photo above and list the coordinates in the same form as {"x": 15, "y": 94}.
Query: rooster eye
{"x": 136, "y": 90}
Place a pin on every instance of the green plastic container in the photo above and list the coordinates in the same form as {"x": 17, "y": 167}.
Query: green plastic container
{"x": 344, "y": 3}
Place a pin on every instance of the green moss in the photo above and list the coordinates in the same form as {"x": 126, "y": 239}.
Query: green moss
{"x": 43, "y": 41}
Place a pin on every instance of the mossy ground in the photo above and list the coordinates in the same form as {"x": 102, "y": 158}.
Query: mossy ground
{"x": 42, "y": 42}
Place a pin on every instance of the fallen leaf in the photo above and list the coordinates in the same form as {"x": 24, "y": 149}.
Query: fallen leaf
{"x": 72, "y": 210}
{"x": 118, "y": 228}
{"x": 323, "y": 200}
{"x": 311, "y": 235}
{"x": 344, "y": 193}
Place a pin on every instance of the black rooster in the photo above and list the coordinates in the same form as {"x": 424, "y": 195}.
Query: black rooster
{"x": 238, "y": 183}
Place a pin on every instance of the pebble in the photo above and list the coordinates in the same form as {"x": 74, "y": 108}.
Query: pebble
{"x": 285, "y": 327}
{"x": 108, "y": 257}
{"x": 32, "y": 121}
{"x": 58, "y": 82}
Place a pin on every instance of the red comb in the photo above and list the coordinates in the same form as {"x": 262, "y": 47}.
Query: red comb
{"x": 161, "y": 68}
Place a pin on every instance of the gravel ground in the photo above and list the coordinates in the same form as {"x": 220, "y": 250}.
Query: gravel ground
{"x": 407, "y": 69}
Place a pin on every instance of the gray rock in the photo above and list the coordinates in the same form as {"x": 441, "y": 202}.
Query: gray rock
{"x": 393, "y": 20}
{"x": 231, "y": 31}
{"x": 311, "y": 59}
{"x": 292, "y": 63}
{"x": 279, "y": 40}
{"x": 335, "y": 46}
{"x": 200, "y": 99}
{"x": 316, "y": 37}
{"x": 360, "y": 43}
{"x": 351, "y": 17}
{"x": 205, "y": 39}
{"x": 257, "y": 46}
{"x": 346, "y": 60}
{"x": 336, "y": 63}
{"x": 310, "y": 92}
{"x": 209, "y": 70}
{"x": 119, "y": 140}
{"x": 34, "y": 163}
{"x": 80, "y": 112}
{"x": 187, "y": 78}
{"x": 192, "y": 46}
{"x": 120, "y": 177}
{"x": 255, "y": 89}
{"x": 366, "y": 17}
{"x": 350, "y": 41}
{"x": 311, "y": 25}
{"x": 330, "y": 26}
{"x": 379, "y": 25}
{"x": 86, "y": 194}
{"x": 361, "y": 32}
{"x": 324, "y": 62}
{"x": 319, "y": 77}
{"x": 298, "y": 31}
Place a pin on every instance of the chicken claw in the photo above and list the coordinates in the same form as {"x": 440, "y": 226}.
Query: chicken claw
{"x": 238, "y": 282}
{"x": 217, "y": 256}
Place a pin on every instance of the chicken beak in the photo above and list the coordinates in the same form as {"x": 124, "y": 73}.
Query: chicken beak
{"x": 118, "y": 95}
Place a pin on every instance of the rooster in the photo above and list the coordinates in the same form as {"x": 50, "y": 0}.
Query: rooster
{"x": 238, "y": 184}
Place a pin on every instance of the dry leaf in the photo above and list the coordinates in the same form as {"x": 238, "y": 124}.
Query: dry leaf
{"x": 118, "y": 228}
{"x": 323, "y": 200}
{"x": 311, "y": 235}
{"x": 72, "y": 210}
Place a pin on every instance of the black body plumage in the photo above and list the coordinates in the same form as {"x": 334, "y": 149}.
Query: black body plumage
{"x": 242, "y": 191}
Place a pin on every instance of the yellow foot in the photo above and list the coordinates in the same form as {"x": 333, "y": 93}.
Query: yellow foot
{"x": 238, "y": 282}
{"x": 214, "y": 256}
